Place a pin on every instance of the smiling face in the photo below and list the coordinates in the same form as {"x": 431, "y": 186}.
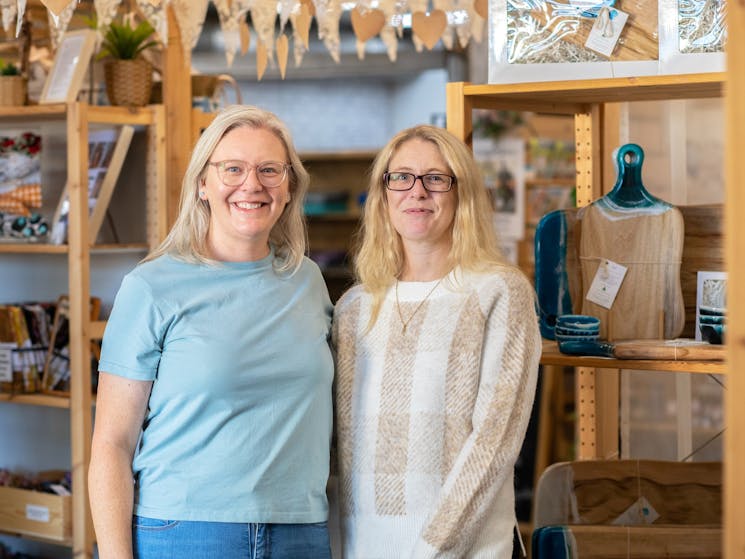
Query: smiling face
{"x": 422, "y": 218}
{"x": 242, "y": 217}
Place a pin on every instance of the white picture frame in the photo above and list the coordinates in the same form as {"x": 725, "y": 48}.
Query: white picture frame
{"x": 69, "y": 68}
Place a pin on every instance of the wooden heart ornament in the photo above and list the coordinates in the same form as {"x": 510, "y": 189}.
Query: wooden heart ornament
{"x": 367, "y": 24}
{"x": 429, "y": 27}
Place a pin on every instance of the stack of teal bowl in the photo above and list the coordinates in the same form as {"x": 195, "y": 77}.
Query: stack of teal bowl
{"x": 576, "y": 328}
{"x": 712, "y": 323}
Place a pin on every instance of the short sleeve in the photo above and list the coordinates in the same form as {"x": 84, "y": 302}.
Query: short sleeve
{"x": 133, "y": 339}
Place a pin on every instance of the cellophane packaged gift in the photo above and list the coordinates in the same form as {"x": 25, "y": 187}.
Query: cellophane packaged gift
{"x": 701, "y": 26}
{"x": 551, "y": 31}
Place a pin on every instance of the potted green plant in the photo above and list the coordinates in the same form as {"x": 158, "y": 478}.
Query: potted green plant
{"x": 12, "y": 84}
{"x": 128, "y": 75}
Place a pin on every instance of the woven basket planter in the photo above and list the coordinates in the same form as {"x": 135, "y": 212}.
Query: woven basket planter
{"x": 128, "y": 82}
{"x": 12, "y": 90}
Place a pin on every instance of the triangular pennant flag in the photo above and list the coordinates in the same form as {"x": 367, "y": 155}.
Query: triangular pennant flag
{"x": 9, "y": 10}
{"x": 261, "y": 60}
{"x": 154, "y": 11}
{"x": 190, "y": 16}
{"x": 283, "y": 48}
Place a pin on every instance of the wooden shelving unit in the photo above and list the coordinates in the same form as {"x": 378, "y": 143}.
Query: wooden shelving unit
{"x": 77, "y": 119}
{"x": 587, "y": 101}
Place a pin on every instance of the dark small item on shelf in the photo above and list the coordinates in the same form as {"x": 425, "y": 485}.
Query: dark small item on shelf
{"x": 317, "y": 203}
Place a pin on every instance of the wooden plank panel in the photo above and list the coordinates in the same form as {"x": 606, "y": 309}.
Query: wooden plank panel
{"x": 79, "y": 282}
{"x": 734, "y": 436}
{"x": 459, "y": 112}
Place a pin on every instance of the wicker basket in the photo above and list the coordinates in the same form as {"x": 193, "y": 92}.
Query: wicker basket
{"x": 12, "y": 90}
{"x": 128, "y": 82}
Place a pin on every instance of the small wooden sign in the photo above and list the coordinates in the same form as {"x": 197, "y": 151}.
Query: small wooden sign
{"x": 429, "y": 27}
{"x": 367, "y": 24}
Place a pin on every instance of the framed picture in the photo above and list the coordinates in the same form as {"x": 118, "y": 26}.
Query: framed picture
{"x": 107, "y": 149}
{"x": 70, "y": 65}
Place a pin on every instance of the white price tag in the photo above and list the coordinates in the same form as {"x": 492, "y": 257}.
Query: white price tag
{"x": 606, "y": 31}
{"x": 6, "y": 362}
{"x": 606, "y": 283}
{"x": 37, "y": 513}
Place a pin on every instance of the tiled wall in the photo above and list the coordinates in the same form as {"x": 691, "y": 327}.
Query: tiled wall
{"x": 344, "y": 114}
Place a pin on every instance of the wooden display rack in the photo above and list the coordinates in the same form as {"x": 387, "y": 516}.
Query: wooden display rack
{"x": 591, "y": 102}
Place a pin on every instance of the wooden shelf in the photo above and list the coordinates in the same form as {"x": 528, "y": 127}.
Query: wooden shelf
{"x": 48, "y": 400}
{"x": 575, "y": 96}
{"x": 96, "y": 114}
{"x": 552, "y": 356}
{"x": 351, "y": 155}
{"x": 62, "y": 543}
{"x": 41, "y": 248}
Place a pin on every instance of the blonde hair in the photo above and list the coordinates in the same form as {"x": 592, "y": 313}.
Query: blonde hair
{"x": 379, "y": 259}
{"x": 187, "y": 239}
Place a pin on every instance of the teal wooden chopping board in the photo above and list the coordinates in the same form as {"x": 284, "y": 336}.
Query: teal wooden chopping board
{"x": 632, "y": 228}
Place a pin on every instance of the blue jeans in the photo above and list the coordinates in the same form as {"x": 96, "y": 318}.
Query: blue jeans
{"x": 164, "y": 539}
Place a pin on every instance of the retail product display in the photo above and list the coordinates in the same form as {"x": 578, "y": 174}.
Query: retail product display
{"x": 551, "y": 31}
{"x": 20, "y": 188}
{"x": 620, "y": 250}
{"x": 701, "y": 26}
{"x": 629, "y": 508}
{"x": 619, "y": 261}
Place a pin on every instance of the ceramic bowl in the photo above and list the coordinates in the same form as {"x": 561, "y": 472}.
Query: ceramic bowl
{"x": 576, "y": 331}
{"x": 711, "y": 319}
{"x": 713, "y": 333}
{"x": 561, "y": 338}
{"x": 712, "y": 311}
{"x": 578, "y": 322}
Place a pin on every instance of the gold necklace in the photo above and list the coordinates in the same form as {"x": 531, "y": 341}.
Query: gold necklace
{"x": 405, "y": 323}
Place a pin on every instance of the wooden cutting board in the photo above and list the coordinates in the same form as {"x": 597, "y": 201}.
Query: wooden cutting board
{"x": 630, "y": 227}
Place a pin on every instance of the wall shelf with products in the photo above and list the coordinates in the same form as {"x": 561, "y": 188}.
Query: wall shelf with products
{"x": 588, "y": 101}
{"x": 70, "y": 125}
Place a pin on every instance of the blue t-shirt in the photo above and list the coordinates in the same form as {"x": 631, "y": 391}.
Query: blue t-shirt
{"x": 238, "y": 425}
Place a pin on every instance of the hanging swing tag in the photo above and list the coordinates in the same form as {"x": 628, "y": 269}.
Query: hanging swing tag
{"x": 606, "y": 283}
{"x": 606, "y": 30}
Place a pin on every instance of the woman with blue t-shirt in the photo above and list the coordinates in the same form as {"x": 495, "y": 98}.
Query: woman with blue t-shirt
{"x": 213, "y": 417}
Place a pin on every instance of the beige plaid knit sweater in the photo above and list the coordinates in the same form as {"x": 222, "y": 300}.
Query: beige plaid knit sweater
{"x": 429, "y": 423}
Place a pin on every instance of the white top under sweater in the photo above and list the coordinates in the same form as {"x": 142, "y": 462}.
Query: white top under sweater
{"x": 429, "y": 423}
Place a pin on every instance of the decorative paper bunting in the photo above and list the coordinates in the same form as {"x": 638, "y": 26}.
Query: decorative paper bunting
{"x": 105, "y": 12}
{"x": 230, "y": 15}
{"x": 481, "y": 7}
{"x": 264, "y": 16}
{"x": 190, "y": 16}
{"x": 417, "y": 6}
{"x": 328, "y": 13}
{"x": 245, "y": 34}
{"x": 300, "y": 19}
{"x": 9, "y": 10}
{"x": 449, "y": 18}
{"x": 429, "y": 27}
{"x": 367, "y": 24}
{"x": 261, "y": 60}
{"x": 21, "y": 10}
{"x": 155, "y": 12}
{"x": 283, "y": 47}
{"x": 56, "y": 6}
{"x": 58, "y": 23}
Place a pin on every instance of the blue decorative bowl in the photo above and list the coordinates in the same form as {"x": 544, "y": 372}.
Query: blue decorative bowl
{"x": 578, "y": 322}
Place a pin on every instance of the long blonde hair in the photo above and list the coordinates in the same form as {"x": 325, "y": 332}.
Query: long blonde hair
{"x": 187, "y": 239}
{"x": 379, "y": 259}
